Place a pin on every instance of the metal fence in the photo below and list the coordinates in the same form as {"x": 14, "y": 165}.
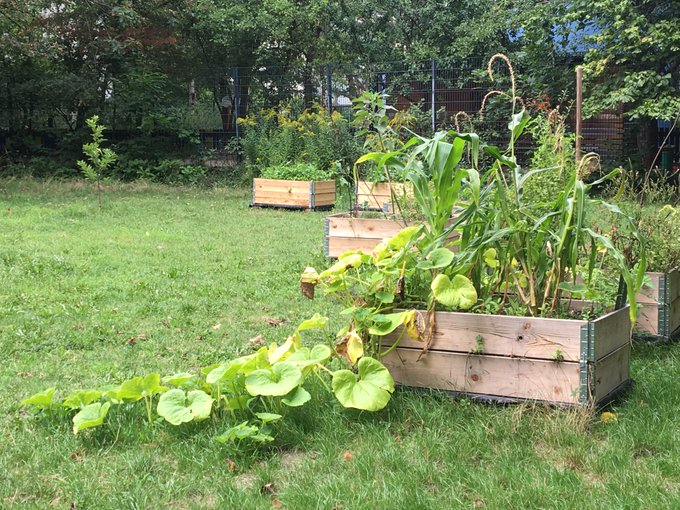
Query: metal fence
{"x": 442, "y": 97}
{"x": 436, "y": 93}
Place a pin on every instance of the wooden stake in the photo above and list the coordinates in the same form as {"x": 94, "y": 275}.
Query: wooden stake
{"x": 579, "y": 112}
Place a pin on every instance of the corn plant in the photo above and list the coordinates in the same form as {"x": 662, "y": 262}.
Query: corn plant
{"x": 539, "y": 252}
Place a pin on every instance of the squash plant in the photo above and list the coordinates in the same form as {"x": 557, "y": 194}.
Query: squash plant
{"x": 248, "y": 393}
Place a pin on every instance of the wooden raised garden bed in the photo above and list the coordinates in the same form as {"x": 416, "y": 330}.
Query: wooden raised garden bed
{"x": 659, "y": 315}
{"x": 565, "y": 362}
{"x": 348, "y": 231}
{"x": 377, "y": 196}
{"x": 293, "y": 194}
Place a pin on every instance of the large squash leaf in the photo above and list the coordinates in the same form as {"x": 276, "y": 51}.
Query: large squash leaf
{"x": 178, "y": 407}
{"x": 370, "y": 391}
{"x": 90, "y": 416}
{"x": 278, "y": 380}
{"x": 459, "y": 293}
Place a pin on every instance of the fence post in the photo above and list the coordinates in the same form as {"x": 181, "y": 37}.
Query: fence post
{"x": 579, "y": 113}
{"x": 434, "y": 70}
{"x": 329, "y": 90}
{"x": 236, "y": 103}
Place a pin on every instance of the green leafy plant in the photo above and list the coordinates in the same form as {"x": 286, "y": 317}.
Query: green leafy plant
{"x": 287, "y": 136}
{"x": 544, "y": 249}
{"x": 297, "y": 172}
{"x": 99, "y": 159}
{"x": 249, "y": 393}
{"x": 661, "y": 230}
{"x": 519, "y": 254}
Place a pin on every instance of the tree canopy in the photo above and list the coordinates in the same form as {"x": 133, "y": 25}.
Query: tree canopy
{"x": 132, "y": 61}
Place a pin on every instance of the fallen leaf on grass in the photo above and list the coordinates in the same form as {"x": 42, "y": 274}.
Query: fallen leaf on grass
{"x": 347, "y": 456}
{"x": 76, "y": 457}
{"x": 276, "y": 503}
{"x": 273, "y": 321}
{"x": 232, "y": 465}
{"x": 134, "y": 339}
{"x": 257, "y": 341}
{"x": 268, "y": 488}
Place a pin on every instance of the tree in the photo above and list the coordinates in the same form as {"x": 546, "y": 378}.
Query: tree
{"x": 632, "y": 59}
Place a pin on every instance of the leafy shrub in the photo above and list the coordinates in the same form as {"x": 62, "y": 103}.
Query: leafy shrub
{"x": 661, "y": 230}
{"x": 273, "y": 138}
{"x": 297, "y": 172}
{"x": 169, "y": 171}
{"x": 40, "y": 167}
{"x": 554, "y": 156}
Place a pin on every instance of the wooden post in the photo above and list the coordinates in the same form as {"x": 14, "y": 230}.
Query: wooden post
{"x": 237, "y": 100}
{"x": 579, "y": 112}
{"x": 329, "y": 89}
{"x": 192, "y": 93}
{"x": 434, "y": 70}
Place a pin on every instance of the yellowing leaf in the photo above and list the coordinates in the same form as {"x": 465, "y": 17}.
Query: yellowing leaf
{"x": 355, "y": 347}
{"x": 490, "y": 258}
{"x": 413, "y": 322}
{"x": 459, "y": 293}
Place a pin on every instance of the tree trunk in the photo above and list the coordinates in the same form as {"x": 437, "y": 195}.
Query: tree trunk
{"x": 192, "y": 93}
{"x": 647, "y": 142}
{"x": 308, "y": 88}
{"x": 80, "y": 114}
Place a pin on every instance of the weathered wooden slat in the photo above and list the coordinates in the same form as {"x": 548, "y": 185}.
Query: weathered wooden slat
{"x": 673, "y": 279}
{"x": 652, "y": 297}
{"x": 650, "y": 293}
{"x": 373, "y": 195}
{"x": 280, "y": 199}
{"x": 612, "y": 331}
{"x": 550, "y": 381}
{"x": 281, "y": 185}
{"x": 368, "y": 232}
{"x": 321, "y": 199}
{"x": 611, "y": 372}
{"x": 528, "y": 337}
{"x": 340, "y": 225}
{"x": 324, "y": 187}
{"x": 674, "y": 315}
{"x": 648, "y": 319}
{"x": 339, "y": 245}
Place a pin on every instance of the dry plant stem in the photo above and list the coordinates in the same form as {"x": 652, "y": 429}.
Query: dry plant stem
{"x": 487, "y": 96}
{"x": 645, "y": 183}
{"x": 522, "y": 295}
{"x": 460, "y": 115}
{"x": 489, "y": 69}
{"x": 430, "y": 331}
{"x": 556, "y": 294}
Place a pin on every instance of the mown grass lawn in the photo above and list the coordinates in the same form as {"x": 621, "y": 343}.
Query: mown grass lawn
{"x": 166, "y": 279}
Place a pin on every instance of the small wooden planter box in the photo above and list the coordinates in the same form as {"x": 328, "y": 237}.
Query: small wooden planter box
{"x": 373, "y": 196}
{"x": 659, "y": 315}
{"x": 345, "y": 232}
{"x": 377, "y": 196}
{"x": 519, "y": 358}
{"x": 293, "y": 194}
